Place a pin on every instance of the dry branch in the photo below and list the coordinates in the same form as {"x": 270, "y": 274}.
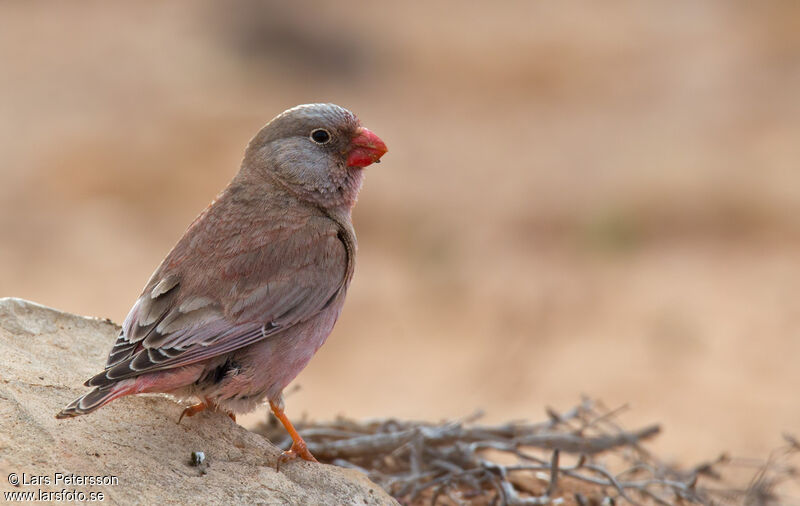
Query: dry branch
{"x": 462, "y": 462}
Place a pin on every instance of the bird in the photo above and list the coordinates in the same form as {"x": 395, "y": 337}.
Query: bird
{"x": 255, "y": 285}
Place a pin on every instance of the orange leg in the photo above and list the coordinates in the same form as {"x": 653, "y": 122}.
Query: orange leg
{"x": 299, "y": 447}
{"x": 197, "y": 408}
{"x": 193, "y": 410}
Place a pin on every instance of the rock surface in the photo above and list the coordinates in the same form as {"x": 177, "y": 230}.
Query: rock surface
{"x": 45, "y": 355}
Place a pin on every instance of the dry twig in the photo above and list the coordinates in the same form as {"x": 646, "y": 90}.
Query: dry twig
{"x": 462, "y": 462}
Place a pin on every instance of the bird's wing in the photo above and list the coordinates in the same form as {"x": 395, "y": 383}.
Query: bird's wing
{"x": 241, "y": 296}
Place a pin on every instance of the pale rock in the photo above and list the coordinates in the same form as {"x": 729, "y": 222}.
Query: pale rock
{"x": 46, "y": 355}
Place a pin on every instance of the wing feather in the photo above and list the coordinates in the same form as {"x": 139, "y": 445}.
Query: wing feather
{"x": 257, "y": 290}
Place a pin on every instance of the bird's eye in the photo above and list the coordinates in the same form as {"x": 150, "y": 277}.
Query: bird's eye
{"x": 320, "y": 136}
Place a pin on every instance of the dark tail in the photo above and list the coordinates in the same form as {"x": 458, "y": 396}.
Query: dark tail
{"x": 95, "y": 399}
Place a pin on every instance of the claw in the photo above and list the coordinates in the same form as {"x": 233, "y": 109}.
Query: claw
{"x": 193, "y": 410}
{"x": 202, "y": 406}
{"x": 298, "y": 449}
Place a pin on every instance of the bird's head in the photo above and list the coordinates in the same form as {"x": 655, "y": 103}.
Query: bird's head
{"x": 316, "y": 151}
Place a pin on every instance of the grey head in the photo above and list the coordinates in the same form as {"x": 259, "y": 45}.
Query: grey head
{"x": 316, "y": 151}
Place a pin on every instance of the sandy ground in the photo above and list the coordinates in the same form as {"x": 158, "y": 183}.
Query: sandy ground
{"x": 581, "y": 199}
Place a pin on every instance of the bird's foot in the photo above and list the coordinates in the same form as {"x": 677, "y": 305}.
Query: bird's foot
{"x": 298, "y": 449}
{"x": 193, "y": 410}
{"x": 202, "y": 406}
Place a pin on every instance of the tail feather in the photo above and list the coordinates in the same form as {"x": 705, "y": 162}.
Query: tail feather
{"x": 95, "y": 399}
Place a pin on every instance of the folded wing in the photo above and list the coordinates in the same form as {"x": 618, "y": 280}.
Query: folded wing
{"x": 231, "y": 302}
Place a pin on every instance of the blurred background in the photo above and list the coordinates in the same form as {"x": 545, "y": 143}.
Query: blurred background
{"x": 581, "y": 198}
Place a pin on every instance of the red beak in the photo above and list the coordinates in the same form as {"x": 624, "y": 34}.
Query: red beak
{"x": 366, "y": 148}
